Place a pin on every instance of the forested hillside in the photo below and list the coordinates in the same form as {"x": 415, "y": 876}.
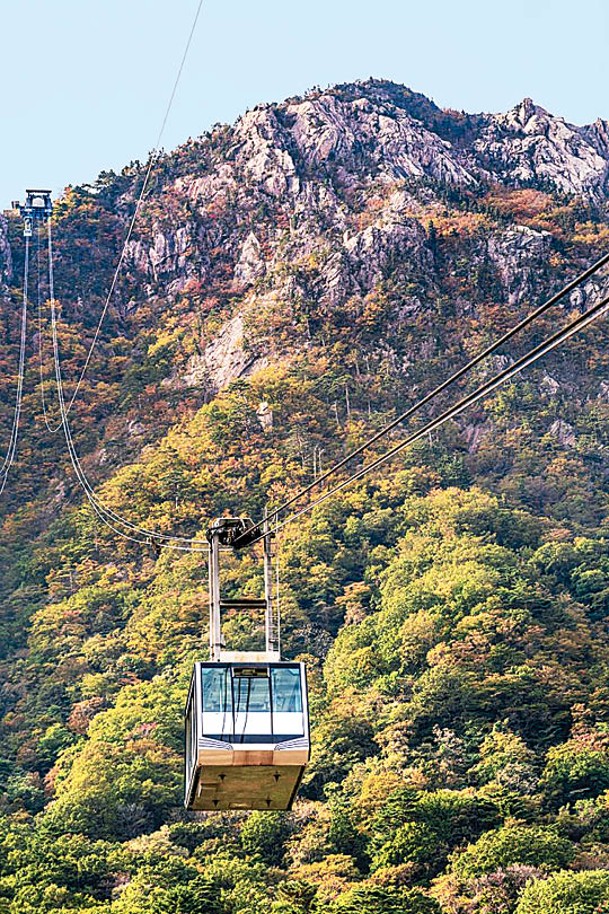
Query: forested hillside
{"x": 294, "y": 282}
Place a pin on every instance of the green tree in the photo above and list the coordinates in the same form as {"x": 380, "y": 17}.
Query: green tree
{"x": 265, "y": 834}
{"x": 574, "y": 771}
{"x": 371, "y": 899}
{"x": 567, "y": 893}
{"x": 535, "y": 845}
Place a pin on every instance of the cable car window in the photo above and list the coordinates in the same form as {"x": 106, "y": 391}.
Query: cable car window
{"x": 287, "y": 690}
{"x": 217, "y": 696}
{"x": 251, "y": 695}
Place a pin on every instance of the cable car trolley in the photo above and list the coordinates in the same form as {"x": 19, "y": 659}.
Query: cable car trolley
{"x": 247, "y": 721}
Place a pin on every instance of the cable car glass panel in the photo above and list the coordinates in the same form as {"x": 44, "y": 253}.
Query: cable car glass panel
{"x": 260, "y": 704}
{"x": 217, "y": 702}
{"x": 252, "y": 703}
{"x": 288, "y": 717}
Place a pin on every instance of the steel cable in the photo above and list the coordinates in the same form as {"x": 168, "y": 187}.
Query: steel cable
{"x": 144, "y": 536}
{"x": 411, "y": 411}
{"x": 152, "y": 161}
{"x": 12, "y": 447}
{"x": 53, "y": 429}
{"x": 109, "y": 517}
{"x": 524, "y": 362}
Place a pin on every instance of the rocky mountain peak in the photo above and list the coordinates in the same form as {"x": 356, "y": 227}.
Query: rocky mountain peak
{"x": 379, "y": 126}
{"x": 314, "y": 199}
{"x": 527, "y": 109}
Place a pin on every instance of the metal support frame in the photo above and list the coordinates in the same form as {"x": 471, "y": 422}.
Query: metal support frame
{"x": 215, "y": 628}
{"x": 221, "y": 534}
{"x": 271, "y": 621}
{"x": 38, "y": 207}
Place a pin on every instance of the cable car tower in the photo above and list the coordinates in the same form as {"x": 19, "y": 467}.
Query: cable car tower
{"x": 247, "y": 721}
{"x": 38, "y": 207}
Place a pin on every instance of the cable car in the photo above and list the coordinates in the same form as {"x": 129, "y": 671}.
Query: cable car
{"x": 247, "y": 735}
{"x": 247, "y": 722}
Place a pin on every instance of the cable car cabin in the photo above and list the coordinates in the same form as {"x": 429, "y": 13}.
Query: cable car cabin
{"x": 247, "y": 735}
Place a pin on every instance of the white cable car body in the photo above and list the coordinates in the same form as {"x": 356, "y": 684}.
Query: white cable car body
{"x": 247, "y": 735}
{"x": 247, "y": 718}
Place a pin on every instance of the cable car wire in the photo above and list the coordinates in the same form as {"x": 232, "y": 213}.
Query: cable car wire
{"x": 142, "y": 535}
{"x": 14, "y": 436}
{"x": 453, "y": 379}
{"x": 53, "y": 429}
{"x": 154, "y": 155}
{"x": 110, "y": 518}
{"x": 484, "y": 390}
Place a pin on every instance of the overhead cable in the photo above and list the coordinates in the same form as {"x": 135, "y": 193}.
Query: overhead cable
{"x": 119, "y": 525}
{"x": 122, "y": 527}
{"x": 483, "y": 391}
{"x": 151, "y": 163}
{"x": 453, "y": 379}
{"x": 136, "y": 533}
{"x": 45, "y": 410}
{"x": 14, "y": 436}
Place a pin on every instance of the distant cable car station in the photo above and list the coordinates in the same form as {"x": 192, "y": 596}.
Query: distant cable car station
{"x": 38, "y": 207}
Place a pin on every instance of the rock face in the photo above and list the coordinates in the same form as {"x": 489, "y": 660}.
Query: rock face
{"x": 223, "y": 360}
{"x": 309, "y": 207}
{"x": 529, "y": 145}
{"x": 6, "y": 261}
{"x": 329, "y": 166}
{"x": 317, "y": 199}
{"x": 563, "y": 432}
{"x": 250, "y": 265}
{"x": 515, "y": 253}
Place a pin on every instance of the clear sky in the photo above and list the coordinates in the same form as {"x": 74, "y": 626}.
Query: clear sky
{"x": 84, "y": 85}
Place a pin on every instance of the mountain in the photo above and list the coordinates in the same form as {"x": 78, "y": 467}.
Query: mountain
{"x": 292, "y": 283}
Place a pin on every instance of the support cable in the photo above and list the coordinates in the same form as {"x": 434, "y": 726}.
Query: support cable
{"x": 144, "y": 536}
{"x": 524, "y": 362}
{"x": 154, "y": 155}
{"x": 53, "y": 429}
{"x": 420, "y": 404}
{"x": 109, "y": 517}
{"x": 12, "y": 447}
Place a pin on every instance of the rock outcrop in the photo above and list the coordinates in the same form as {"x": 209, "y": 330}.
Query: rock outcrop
{"x": 528, "y": 145}
{"x": 6, "y": 260}
{"x": 315, "y": 161}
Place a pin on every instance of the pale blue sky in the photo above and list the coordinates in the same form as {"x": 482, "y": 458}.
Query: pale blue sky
{"x": 84, "y": 85}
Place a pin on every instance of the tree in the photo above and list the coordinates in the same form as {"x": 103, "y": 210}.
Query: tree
{"x": 576, "y": 770}
{"x": 296, "y": 896}
{"x": 372, "y": 899}
{"x": 413, "y": 842}
{"x": 567, "y": 893}
{"x": 265, "y": 834}
{"x": 535, "y": 845}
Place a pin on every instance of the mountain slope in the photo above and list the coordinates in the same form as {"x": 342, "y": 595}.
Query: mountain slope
{"x": 293, "y": 282}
